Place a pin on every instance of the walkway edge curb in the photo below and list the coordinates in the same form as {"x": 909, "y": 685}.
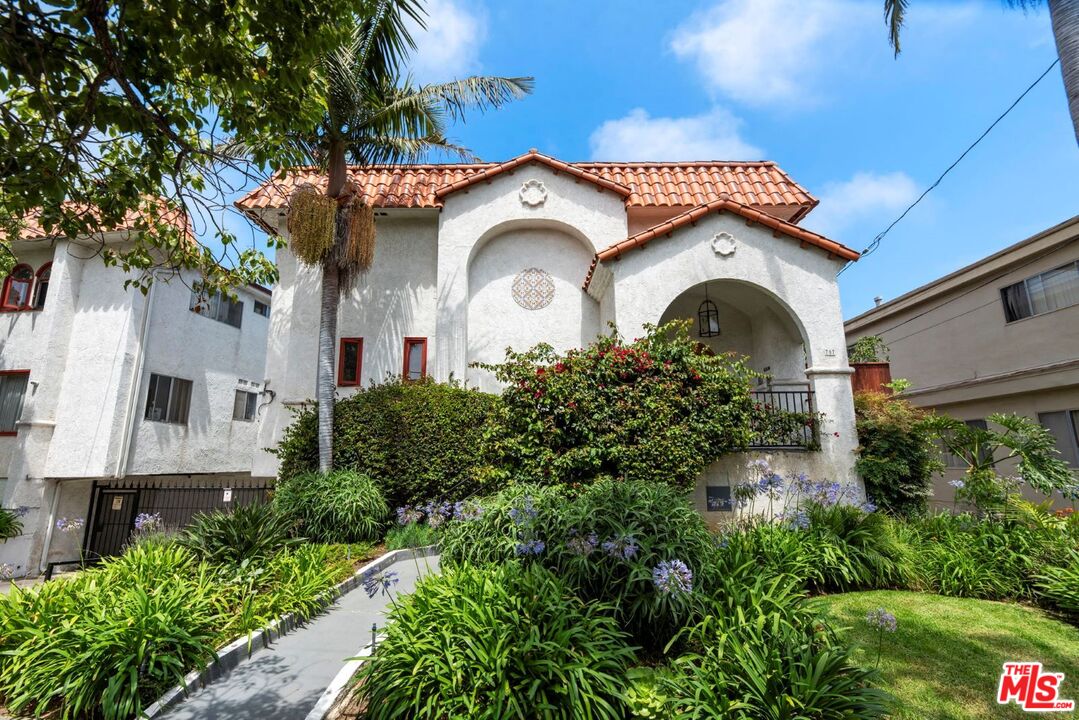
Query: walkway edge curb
{"x": 245, "y": 646}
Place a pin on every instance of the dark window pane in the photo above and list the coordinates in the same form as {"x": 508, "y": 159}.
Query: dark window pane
{"x": 12, "y": 392}
{"x": 350, "y": 362}
{"x": 252, "y": 406}
{"x": 414, "y": 363}
{"x": 1062, "y": 427}
{"x": 1016, "y": 302}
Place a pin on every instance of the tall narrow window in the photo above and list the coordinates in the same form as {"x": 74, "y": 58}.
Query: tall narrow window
{"x": 17, "y": 288}
{"x": 245, "y": 405}
{"x": 350, "y": 361}
{"x": 1064, "y": 426}
{"x": 168, "y": 399}
{"x": 415, "y": 358}
{"x": 12, "y": 392}
{"x": 41, "y": 289}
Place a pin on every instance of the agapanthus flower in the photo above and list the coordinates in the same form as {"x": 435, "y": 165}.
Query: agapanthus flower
{"x": 65, "y": 525}
{"x": 770, "y": 485}
{"x": 800, "y": 482}
{"x": 582, "y": 544}
{"x": 621, "y": 547}
{"x": 531, "y": 547}
{"x": 957, "y": 484}
{"x": 797, "y": 519}
{"x": 374, "y": 582}
{"x": 761, "y": 465}
{"x": 673, "y": 577}
{"x": 408, "y": 515}
{"x": 881, "y": 619}
{"x": 6, "y": 571}
{"x": 525, "y": 513}
{"x": 437, "y": 513}
{"x": 148, "y": 521}
{"x": 21, "y": 511}
{"x": 467, "y": 510}
{"x": 868, "y": 506}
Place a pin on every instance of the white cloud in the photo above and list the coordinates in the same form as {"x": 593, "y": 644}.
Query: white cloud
{"x": 449, "y": 47}
{"x": 767, "y": 51}
{"x": 865, "y": 197}
{"x": 638, "y": 136}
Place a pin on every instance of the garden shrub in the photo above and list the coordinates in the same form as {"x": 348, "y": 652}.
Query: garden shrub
{"x": 416, "y": 439}
{"x": 658, "y": 409}
{"x": 897, "y": 456}
{"x": 1058, "y": 585}
{"x": 412, "y": 535}
{"x": 763, "y": 652}
{"x": 108, "y": 641}
{"x": 336, "y": 507}
{"x": 497, "y": 642}
{"x": 849, "y": 548}
{"x": 607, "y": 544}
{"x": 249, "y": 533}
{"x": 10, "y": 524}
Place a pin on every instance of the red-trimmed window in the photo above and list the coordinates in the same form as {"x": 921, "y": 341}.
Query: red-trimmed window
{"x": 12, "y": 391}
{"x": 415, "y": 367}
{"x": 41, "y": 287}
{"x": 349, "y": 361}
{"x": 17, "y": 288}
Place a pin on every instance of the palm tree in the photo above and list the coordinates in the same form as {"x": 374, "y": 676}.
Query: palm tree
{"x": 373, "y": 115}
{"x": 1064, "y": 15}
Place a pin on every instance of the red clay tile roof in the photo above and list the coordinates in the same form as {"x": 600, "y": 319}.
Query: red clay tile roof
{"x": 687, "y": 184}
{"x": 32, "y": 229}
{"x": 690, "y": 217}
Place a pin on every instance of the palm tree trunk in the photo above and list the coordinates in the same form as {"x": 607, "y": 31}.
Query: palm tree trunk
{"x": 327, "y": 324}
{"x": 1065, "y": 17}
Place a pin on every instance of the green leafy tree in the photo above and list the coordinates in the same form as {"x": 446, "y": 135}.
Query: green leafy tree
{"x": 373, "y": 114}
{"x": 1064, "y": 15}
{"x": 655, "y": 409}
{"x": 112, "y": 114}
{"x": 984, "y": 449}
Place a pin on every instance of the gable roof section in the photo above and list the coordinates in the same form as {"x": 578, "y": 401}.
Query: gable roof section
{"x": 533, "y": 155}
{"x": 691, "y": 217}
{"x": 762, "y": 185}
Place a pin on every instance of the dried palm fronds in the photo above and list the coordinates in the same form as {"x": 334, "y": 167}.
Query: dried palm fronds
{"x": 361, "y": 235}
{"x": 311, "y": 217}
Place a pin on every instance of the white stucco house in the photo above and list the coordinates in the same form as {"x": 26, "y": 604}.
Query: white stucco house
{"x": 475, "y": 258}
{"x": 113, "y": 403}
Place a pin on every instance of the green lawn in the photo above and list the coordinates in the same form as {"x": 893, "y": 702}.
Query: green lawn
{"x": 944, "y": 661}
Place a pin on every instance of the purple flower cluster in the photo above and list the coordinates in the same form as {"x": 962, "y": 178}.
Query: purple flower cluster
{"x": 65, "y": 525}
{"x": 583, "y": 545}
{"x": 408, "y": 515}
{"x": 437, "y": 513}
{"x": 621, "y": 547}
{"x": 957, "y": 484}
{"x": 673, "y": 577}
{"x": 524, "y": 514}
{"x": 770, "y": 485}
{"x": 868, "y": 506}
{"x": 881, "y": 620}
{"x": 374, "y": 582}
{"x": 21, "y": 511}
{"x": 467, "y": 510}
{"x": 797, "y": 519}
{"x": 535, "y": 546}
{"x": 148, "y": 522}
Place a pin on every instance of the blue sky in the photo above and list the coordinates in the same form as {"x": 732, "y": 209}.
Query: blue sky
{"x": 811, "y": 84}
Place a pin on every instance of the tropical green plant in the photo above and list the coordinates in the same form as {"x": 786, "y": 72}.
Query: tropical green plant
{"x": 657, "y": 409}
{"x": 10, "y": 524}
{"x": 1058, "y": 585}
{"x": 849, "y": 548}
{"x": 336, "y": 507}
{"x": 984, "y": 449}
{"x": 412, "y": 535}
{"x": 372, "y": 115}
{"x": 248, "y": 534}
{"x": 1064, "y": 15}
{"x": 417, "y": 439}
{"x": 105, "y": 643}
{"x": 897, "y": 456}
{"x": 763, "y": 652}
{"x": 870, "y": 348}
{"x": 497, "y": 642}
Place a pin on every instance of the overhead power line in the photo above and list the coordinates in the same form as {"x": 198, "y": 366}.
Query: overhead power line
{"x": 881, "y": 235}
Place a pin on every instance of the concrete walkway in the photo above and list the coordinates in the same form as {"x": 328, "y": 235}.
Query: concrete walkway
{"x": 285, "y": 680}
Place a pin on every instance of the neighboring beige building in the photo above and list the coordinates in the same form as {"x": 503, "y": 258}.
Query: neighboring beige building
{"x": 1000, "y": 335}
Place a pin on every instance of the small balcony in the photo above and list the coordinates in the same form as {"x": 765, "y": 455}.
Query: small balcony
{"x": 784, "y": 420}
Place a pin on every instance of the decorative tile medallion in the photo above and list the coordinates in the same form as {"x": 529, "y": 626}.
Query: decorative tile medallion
{"x": 533, "y": 193}
{"x": 723, "y": 243}
{"x": 533, "y": 289}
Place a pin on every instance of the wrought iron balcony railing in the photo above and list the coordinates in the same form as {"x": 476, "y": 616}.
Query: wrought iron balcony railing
{"x": 785, "y": 420}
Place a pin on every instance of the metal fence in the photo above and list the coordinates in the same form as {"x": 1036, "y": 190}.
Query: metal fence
{"x": 784, "y": 420}
{"x": 113, "y": 508}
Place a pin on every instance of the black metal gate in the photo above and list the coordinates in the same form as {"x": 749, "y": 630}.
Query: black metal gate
{"x": 114, "y": 509}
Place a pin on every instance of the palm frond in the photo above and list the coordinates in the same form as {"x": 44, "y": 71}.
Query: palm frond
{"x": 895, "y": 12}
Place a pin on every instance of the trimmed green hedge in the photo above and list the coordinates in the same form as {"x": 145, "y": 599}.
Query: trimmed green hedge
{"x": 417, "y": 440}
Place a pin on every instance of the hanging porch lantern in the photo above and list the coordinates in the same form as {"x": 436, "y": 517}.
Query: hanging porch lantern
{"x": 707, "y": 317}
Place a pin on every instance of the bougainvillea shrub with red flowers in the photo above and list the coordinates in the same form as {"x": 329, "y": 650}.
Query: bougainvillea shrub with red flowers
{"x": 659, "y": 408}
